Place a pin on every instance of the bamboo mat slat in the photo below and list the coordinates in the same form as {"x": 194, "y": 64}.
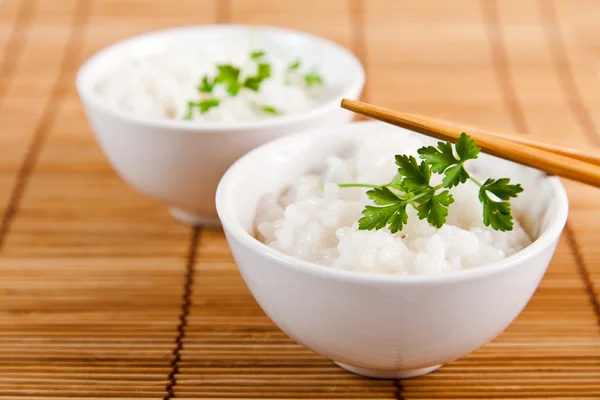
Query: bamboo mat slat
{"x": 104, "y": 296}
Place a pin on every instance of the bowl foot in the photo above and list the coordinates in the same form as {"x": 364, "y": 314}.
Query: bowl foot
{"x": 388, "y": 374}
{"x": 194, "y": 219}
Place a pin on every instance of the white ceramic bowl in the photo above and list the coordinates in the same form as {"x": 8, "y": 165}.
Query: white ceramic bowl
{"x": 379, "y": 325}
{"x": 180, "y": 162}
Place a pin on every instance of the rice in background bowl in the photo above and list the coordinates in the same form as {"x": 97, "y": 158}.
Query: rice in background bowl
{"x": 159, "y": 85}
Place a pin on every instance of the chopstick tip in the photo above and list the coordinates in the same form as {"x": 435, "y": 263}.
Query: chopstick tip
{"x": 349, "y": 104}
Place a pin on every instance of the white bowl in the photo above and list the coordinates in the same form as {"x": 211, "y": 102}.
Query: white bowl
{"x": 380, "y": 325}
{"x": 180, "y": 162}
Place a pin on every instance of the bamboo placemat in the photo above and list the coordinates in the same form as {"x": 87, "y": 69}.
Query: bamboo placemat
{"x": 103, "y": 295}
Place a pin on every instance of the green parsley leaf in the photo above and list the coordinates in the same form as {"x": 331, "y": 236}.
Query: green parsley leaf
{"x": 378, "y": 217}
{"x": 264, "y": 71}
{"x": 255, "y": 55}
{"x": 466, "y": 148}
{"x": 207, "y": 105}
{"x": 294, "y": 66}
{"x": 203, "y": 106}
{"x": 442, "y": 159}
{"x": 383, "y": 196}
{"x": 455, "y": 175}
{"x": 435, "y": 208}
{"x": 207, "y": 85}
{"x": 253, "y": 82}
{"x": 398, "y": 219}
{"x": 269, "y": 110}
{"x": 416, "y": 177}
{"x": 498, "y": 213}
{"x": 502, "y": 188}
{"x": 229, "y": 75}
{"x": 439, "y": 159}
{"x": 190, "y": 111}
{"x": 393, "y": 213}
{"x": 312, "y": 79}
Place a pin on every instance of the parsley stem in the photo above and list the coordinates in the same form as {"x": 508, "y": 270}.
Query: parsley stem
{"x": 407, "y": 201}
{"x": 476, "y": 181}
{"x": 346, "y": 185}
{"x": 423, "y": 193}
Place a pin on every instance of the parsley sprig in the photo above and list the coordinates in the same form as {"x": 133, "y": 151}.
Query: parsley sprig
{"x": 269, "y": 110}
{"x": 232, "y": 79}
{"x": 253, "y": 82}
{"x": 412, "y": 187}
{"x": 229, "y": 76}
{"x": 203, "y": 106}
{"x": 312, "y": 78}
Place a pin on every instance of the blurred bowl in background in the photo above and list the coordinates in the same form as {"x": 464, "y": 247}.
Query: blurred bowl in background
{"x": 180, "y": 163}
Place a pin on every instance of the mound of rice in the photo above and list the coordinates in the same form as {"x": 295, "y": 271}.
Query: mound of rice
{"x": 160, "y": 85}
{"x": 315, "y": 220}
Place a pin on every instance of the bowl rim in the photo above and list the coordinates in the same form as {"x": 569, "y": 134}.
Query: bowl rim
{"x": 232, "y": 227}
{"x": 350, "y": 89}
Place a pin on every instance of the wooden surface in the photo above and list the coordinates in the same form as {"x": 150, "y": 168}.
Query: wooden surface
{"x": 103, "y": 295}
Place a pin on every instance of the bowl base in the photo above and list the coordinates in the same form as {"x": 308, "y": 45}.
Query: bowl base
{"x": 194, "y": 219}
{"x": 388, "y": 374}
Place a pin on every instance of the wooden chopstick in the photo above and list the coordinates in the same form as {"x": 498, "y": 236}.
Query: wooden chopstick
{"x": 583, "y": 153}
{"x": 556, "y": 159}
{"x": 588, "y": 154}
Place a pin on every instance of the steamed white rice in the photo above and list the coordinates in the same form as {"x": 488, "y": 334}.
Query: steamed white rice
{"x": 160, "y": 85}
{"x": 315, "y": 220}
